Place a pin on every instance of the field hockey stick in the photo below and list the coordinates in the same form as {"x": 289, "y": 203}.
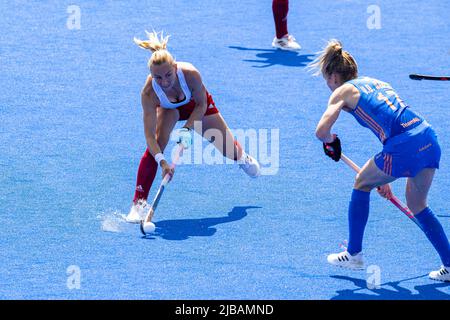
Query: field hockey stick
{"x": 403, "y": 208}
{"x": 162, "y": 186}
{"x": 425, "y": 77}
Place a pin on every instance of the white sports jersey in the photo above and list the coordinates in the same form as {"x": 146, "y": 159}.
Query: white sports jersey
{"x": 165, "y": 102}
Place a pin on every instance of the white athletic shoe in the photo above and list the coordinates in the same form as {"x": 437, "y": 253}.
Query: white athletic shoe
{"x": 137, "y": 212}
{"x": 443, "y": 274}
{"x": 346, "y": 260}
{"x": 286, "y": 43}
{"x": 250, "y": 166}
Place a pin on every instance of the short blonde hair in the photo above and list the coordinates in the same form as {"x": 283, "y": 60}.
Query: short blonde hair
{"x": 333, "y": 59}
{"x": 157, "y": 44}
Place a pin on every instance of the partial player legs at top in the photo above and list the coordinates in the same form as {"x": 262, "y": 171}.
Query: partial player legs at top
{"x": 283, "y": 40}
{"x": 280, "y": 9}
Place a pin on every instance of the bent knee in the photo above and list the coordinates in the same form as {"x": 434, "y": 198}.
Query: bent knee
{"x": 416, "y": 206}
{"x": 362, "y": 185}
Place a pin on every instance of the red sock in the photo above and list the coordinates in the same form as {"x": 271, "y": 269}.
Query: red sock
{"x": 146, "y": 175}
{"x": 280, "y": 10}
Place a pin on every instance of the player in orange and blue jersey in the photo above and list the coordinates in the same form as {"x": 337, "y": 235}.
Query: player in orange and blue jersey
{"x": 410, "y": 149}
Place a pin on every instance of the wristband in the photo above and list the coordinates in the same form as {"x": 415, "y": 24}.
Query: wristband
{"x": 159, "y": 157}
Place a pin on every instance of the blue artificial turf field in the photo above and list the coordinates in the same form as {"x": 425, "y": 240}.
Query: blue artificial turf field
{"x": 71, "y": 138}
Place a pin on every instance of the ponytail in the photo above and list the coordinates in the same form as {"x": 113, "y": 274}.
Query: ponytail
{"x": 333, "y": 59}
{"x": 157, "y": 44}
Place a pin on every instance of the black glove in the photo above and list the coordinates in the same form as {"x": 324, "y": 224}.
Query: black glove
{"x": 333, "y": 149}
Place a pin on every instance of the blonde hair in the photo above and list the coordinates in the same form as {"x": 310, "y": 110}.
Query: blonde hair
{"x": 332, "y": 59}
{"x": 157, "y": 44}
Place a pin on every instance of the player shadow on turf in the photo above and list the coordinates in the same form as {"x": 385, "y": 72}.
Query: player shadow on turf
{"x": 184, "y": 228}
{"x": 272, "y": 57}
{"x": 424, "y": 292}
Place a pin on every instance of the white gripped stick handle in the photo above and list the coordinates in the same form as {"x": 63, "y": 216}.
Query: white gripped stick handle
{"x": 394, "y": 199}
{"x": 175, "y": 160}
